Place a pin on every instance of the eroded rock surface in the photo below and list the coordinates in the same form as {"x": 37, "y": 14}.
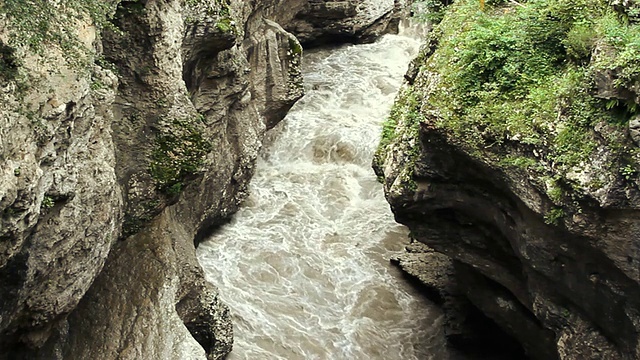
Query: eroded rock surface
{"x": 59, "y": 196}
{"x": 563, "y": 291}
{"x": 121, "y": 148}
{"x": 551, "y": 255}
{"x": 352, "y": 20}
{"x": 465, "y": 327}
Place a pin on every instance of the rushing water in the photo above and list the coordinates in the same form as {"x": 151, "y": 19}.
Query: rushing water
{"x": 304, "y": 264}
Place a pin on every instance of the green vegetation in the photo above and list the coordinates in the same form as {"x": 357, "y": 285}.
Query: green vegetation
{"x": 628, "y": 172}
{"x": 521, "y": 162}
{"x": 554, "y": 216}
{"x": 223, "y": 5}
{"x": 47, "y": 202}
{"x": 295, "y": 47}
{"x": 522, "y": 73}
{"x": 405, "y": 110}
{"x": 177, "y": 154}
{"x": 520, "y": 85}
{"x": 224, "y": 25}
{"x": 623, "y": 41}
{"x": 39, "y": 24}
{"x": 402, "y": 122}
{"x": 132, "y": 224}
{"x": 219, "y": 9}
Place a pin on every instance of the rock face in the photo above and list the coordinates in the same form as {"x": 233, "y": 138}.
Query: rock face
{"x": 465, "y": 327}
{"x": 121, "y": 148}
{"x": 559, "y": 270}
{"x": 557, "y": 289}
{"x": 60, "y": 199}
{"x": 350, "y": 21}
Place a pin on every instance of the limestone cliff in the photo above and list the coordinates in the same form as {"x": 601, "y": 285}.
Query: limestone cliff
{"x": 128, "y": 130}
{"x": 512, "y": 150}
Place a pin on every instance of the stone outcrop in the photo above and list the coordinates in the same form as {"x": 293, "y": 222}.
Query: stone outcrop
{"x": 565, "y": 292}
{"x": 565, "y": 284}
{"x": 465, "y": 327}
{"x": 59, "y": 196}
{"x": 121, "y": 148}
{"x": 346, "y": 21}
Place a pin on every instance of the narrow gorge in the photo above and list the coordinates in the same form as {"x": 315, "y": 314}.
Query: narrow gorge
{"x": 304, "y": 264}
{"x": 155, "y": 205}
{"x": 129, "y": 131}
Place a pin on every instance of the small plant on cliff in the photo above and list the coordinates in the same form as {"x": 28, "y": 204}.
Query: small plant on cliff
{"x": 554, "y": 216}
{"x": 405, "y": 110}
{"x": 47, "y": 202}
{"x": 179, "y": 152}
{"x": 295, "y": 47}
{"x": 629, "y": 172}
{"x": 404, "y": 122}
{"x": 225, "y": 25}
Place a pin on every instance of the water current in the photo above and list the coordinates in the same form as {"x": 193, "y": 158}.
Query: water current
{"x": 304, "y": 265}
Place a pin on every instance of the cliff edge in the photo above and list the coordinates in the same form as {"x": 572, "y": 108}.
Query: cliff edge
{"x": 512, "y": 149}
{"x": 130, "y": 129}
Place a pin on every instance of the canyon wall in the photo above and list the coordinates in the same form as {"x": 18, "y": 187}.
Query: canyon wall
{"x": 129, "y": 130}
{"x": 512, "y": 151}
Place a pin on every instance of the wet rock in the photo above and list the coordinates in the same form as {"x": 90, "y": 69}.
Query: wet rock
{"x": 345, "y": 21}
{"x": 465, "y": 326}
{"x": 541, "y": 283}
{"x": 153, "y": 144}
{"x": 432, "y": 270}
{"x": 566, "y": 287}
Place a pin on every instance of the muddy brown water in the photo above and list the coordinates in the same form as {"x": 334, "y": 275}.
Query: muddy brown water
{"x": 304, "y": 265}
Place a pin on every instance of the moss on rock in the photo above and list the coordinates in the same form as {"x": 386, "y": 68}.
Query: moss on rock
{"x": 520, "y": 85}
{"x": 179, "y": 152}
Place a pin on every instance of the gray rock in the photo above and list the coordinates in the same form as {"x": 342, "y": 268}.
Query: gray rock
{"x": 154, "y": 146}
{"x": 634, "y": 129}
{"x": 59, "y": 198}
{"x": 339, "y": 21}
{"x": 569, "y": 290}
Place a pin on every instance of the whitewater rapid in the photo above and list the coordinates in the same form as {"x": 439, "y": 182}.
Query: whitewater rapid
{"x": 304, "y": 265}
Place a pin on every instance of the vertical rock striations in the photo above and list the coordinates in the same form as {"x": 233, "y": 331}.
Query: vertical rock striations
{"x": 123, "y": 142}
{"x": 60, "y": 202}
{"x": 518, "y": 164}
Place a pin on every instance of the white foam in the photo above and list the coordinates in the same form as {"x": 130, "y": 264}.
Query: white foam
{"x": 304, "y": 264}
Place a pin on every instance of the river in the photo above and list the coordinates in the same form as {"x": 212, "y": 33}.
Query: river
{"x": 304, "y": 265}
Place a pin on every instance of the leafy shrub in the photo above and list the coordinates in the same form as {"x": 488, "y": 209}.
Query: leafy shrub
{"x": 430, "y": 10}
{"x": 522, "y": 73}
{"x": 580, "y": 41}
